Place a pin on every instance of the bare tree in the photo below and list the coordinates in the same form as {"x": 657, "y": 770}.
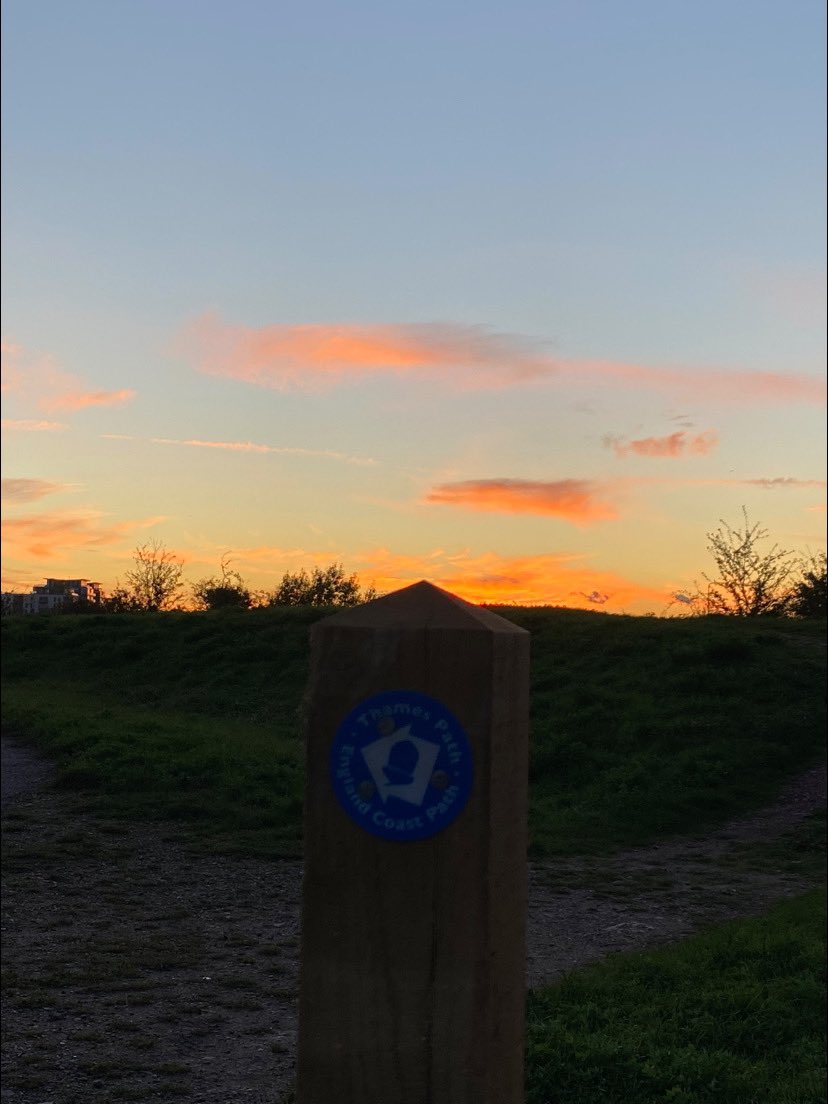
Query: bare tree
{"x": 226, "y": 591}
{"x": 154, "y": 584}
{"x": 749, "y": 583}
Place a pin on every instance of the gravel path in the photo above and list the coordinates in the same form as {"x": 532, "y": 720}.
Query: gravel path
{"x": 138, "y": 970}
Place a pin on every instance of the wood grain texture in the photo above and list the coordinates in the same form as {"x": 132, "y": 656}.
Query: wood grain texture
{"x": 413, "y": 953}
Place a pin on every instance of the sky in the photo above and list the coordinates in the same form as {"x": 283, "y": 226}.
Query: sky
{"x": 523, "y": 299}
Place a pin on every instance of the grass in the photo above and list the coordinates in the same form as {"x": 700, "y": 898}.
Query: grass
{"x": 736, "y": 1015}
{"x": 641, "y": 727}
{"x": 644, "y": 727}
{"x": 228, "y": 781}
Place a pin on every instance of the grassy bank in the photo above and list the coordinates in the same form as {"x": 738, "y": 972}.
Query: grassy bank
{"x": 736, "y": 1014}
{"x": 641, "y": 727}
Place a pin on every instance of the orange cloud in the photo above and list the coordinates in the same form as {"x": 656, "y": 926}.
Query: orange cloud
{"x": 11, "y": 374}
{"x": 315, "y": 357}
{"x": 48, "y": 535}
{"x": 30, "y": 377}
{"x": 29, "y": 425}
{"x": 572, "y": 499}
{"x": 720, "y": 386}
{"x": 674, "y": 445}
{"x": 30, "y": 490}
{"x": 80, "y": 400}
{"x": 37, "y": 379}
{"x": 249, "y": 446}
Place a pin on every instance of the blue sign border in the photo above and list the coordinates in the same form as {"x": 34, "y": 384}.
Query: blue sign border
{"x": 434, "y": 765}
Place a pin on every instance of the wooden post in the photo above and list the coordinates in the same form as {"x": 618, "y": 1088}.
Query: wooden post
{"x": 414, "y": 901}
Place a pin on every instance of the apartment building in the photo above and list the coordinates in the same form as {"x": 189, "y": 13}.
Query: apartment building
{"x": 53, "y": 595}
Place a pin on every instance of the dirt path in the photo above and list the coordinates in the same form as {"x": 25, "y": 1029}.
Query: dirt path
{"x": 580, "y": 911}
{"x": 136, "y": 970}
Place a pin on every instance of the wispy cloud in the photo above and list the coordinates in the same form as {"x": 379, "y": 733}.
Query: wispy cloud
{"x": 754, "y": 388}
{"x": 324, "y": 355}
{"x": 774, "y": 483}
{"x": 250, "y": 446}
{"x": 30, "y": 425}
{"x": 80, "y": 400}
{"x": 30, "y": 490}
{"x": 790, "y": 483}
{"x": 580, "y": 501}
{"x": 32, "y": 376}
{"x": 672, "y": 446}
{"x": 315, "y": 357}
{"x": 16, "y": 578}
{"x": 575, "y": 500}
{"x": 37, "y": 379}
{"x": 11, "y": 374}
{"x": 780, "y": 481}
{"x": 51, "y": 534}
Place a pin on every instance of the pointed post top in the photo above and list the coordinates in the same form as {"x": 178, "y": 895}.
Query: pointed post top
{"x": 421, "y": 605}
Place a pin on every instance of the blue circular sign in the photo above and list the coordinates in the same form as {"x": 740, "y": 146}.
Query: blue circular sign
{"x": 401, "y": 765}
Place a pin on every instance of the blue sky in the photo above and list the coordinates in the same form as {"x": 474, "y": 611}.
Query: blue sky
{"x": 574, "y": 190}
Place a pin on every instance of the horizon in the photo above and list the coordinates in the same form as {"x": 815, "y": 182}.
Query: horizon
{"x": 524, "y": 305}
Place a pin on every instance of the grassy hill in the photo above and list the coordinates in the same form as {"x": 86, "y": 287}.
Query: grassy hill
{"x": 641, "y": 727}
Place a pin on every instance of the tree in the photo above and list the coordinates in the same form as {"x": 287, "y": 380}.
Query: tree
{"x": 749, "y": 583}
{"x": 12, "y": 602}
{"x": 121, "y": 600}
{"x": 154, "y": 584}
{"x": 328, "y": 587}
{"x": 226, "y": 591}
{"x": 810, "y": 591}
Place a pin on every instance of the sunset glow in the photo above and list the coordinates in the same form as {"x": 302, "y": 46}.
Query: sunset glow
{"x": 508, "y": 300}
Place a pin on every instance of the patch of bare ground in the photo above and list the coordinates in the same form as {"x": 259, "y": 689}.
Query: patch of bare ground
{"x": 138, "y": 970}
{"x": 581, "y": 910}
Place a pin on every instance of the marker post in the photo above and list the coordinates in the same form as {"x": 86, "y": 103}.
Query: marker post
{"x": 412, "y": 980}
